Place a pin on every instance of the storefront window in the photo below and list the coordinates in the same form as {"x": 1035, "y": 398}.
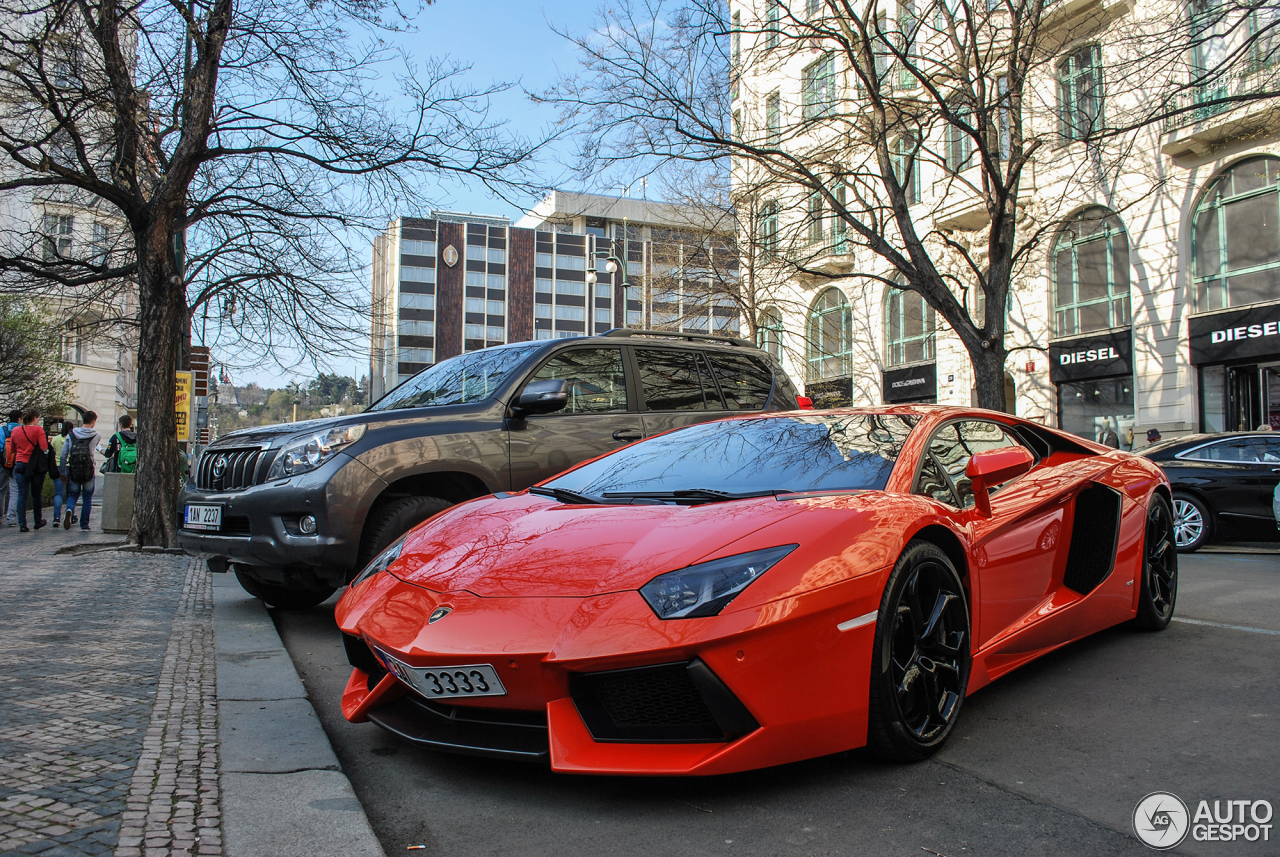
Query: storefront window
{"x": 1235, "y": 237}
{"x": 1091, "y": 274}
{"x": 911, "y": 325}
{"x": 1099, "y": 409}
{"x": 830, "y": 336}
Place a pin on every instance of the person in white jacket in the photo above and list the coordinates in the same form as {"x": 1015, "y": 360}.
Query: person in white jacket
{"x": 79, "y": 475}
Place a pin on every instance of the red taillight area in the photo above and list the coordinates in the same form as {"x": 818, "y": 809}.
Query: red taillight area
{"x": 804, "y": 403}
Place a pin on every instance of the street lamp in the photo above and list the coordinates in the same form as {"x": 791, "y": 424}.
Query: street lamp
{"x": 612, "y": 265}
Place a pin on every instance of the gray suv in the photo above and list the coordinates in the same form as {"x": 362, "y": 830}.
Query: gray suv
{"x": 295, "y": 510}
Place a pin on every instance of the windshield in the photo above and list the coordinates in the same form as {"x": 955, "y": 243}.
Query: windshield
{"x": 818, "y": 452}
{"x": 458, "y": 380}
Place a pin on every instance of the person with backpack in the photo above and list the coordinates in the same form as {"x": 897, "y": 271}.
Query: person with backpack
{"x": 77, "y": 463}
{"x": 57, "y": 439}
{"x": 122, "y": 451}
{"x": 30, "y": 464}
{"x": 8, "y": 488}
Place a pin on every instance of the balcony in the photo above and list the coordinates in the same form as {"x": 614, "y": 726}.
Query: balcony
{"x": 1064, "y": 20}
{"x": 834, "y": 259}
{"x": 1203, "y": 124}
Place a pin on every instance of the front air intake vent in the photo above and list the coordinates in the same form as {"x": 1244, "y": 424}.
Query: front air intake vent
{"x": 1092, "y": 554}
{"x": 669, "y": 703}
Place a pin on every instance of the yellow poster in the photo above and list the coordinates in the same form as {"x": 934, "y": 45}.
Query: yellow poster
{"x": 182, "y": 404}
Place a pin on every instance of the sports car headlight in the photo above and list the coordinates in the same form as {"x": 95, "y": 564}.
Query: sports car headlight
{"x": 308, "y": 453}
{"x": 380, "y": 562}
{"x": 705, "y": 589}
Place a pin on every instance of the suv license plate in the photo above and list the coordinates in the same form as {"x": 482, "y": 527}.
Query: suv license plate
{"x": 447, "y": 682}
{"x": 203, "y": 517}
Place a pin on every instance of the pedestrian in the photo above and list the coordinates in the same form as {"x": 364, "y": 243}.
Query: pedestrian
{"x": 57, "y": 439}
{"x": 31, "y": 463}
{"x": 8, "y": 488}
{"x": 77, "y": 463}
{"x": 122, "y": 451}
{"x": 1153, "y": 435}
{"x": 1110, "y": 438}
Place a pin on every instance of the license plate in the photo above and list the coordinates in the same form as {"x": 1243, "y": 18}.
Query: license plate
{"x": 203, "y": 517}
{"x": 447, "y": 682}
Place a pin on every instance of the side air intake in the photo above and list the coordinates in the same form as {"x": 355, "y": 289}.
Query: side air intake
{"x": 1092, "y": 554}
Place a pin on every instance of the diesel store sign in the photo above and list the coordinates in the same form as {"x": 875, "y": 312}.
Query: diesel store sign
{"x": 1100, "y": 356}
{"x": 1225, "y": 336}
{"x": 911, "y": 383}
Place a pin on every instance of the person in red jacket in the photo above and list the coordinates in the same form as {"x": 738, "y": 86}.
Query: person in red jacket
{"x": 29, "y": 442}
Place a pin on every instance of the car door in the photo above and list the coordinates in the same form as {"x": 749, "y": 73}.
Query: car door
{"x": 1228, "y": 473}
{"x": 1016, "y": 548}
{"x": 677, "y": 389}
{"x": 598, "y": 417}
{"x": 1259, "y": 474}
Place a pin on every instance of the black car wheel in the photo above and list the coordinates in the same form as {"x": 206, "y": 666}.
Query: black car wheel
{"x": 392, "y": 520}
{"x": 283, "y": 597}
{"x": 920, "y": 666}
{"x": 1192, "y": 522}
{"x": 1159, "y": 579}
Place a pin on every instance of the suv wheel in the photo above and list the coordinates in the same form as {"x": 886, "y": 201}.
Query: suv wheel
{"x": 392, "y": 520}
{"x": 284, "y": 597}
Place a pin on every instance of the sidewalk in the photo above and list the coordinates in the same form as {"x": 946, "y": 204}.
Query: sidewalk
{"x": 146, "y": 711}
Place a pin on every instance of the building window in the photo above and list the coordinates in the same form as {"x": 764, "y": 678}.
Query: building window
{"x": 1091, "y": 274}
{"x": 475, "y": 253}
{"x": 769, "y": 229}
{"x": 1080, "y": 94}
{"x": 101, "y": 243}
{"x": 769, "y": 332}
{"x": 411, "y": 274}
{"x": 1235, "y": 237}
{"x": 571, "y": 313}
{"x": 416, "y": 355}
{"x": 542, "y": 310}
{"x": 773, "y": 118}
{"x": 772, "y": 24}
{"x": 817, "y": 218}
{"x": 839, "y": 226}
{"x": 959, "y": 143}
{"x": 735, "y": 55}
{"x": 818, "y": 87}
{"x": 57, "y": 236}
{"x": 905, "y": 168}
{"x": 418, "y": 248}
{"x": 911, "y": 326}
{"x": 417, "y": 328}
{"x": 830, "y": 337}
{"x": 543, "y": 286}
{"x": 409, "y": 300}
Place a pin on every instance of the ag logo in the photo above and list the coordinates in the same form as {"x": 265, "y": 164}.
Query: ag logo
{"x": 440, "y": 612}
{"x": 219, "y": 466}
{"x": 1161, "y": 821}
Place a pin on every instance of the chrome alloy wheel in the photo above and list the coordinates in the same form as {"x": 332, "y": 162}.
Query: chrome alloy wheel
{"x": 1188, "y": 523}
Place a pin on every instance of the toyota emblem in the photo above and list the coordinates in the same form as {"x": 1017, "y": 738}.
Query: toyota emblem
{"x": 438, "y": 614}
{"x": 219, "y": 466}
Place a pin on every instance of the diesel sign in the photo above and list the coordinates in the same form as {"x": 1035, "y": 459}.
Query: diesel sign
{"x": 1099, "y": 356}
{"x": 1225, "y": 336}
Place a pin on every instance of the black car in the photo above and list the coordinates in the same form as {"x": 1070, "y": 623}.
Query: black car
{"x": 1218, "y": 478}
{"x": 295, "y": 510}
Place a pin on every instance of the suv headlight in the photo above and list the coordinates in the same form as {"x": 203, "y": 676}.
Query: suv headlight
{"x": 308, "y": 453}
{"x": 380, "y": 562}
{"x": 705, "y": 589}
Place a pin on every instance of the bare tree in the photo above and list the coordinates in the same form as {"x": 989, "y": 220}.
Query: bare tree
{"x": 916, "y": 124}
{"x": 239, "y": 145}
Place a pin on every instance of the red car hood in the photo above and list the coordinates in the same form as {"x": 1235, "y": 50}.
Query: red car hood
{"x": 536, "y": 546}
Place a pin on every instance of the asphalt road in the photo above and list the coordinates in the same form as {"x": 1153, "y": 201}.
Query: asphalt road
{"x": 1049, "y": 760}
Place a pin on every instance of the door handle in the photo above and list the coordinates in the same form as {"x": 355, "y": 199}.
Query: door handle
{"x": 627, "y": 435}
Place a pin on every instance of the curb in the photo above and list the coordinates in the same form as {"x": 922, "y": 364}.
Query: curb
{"x": 283, "y": 791}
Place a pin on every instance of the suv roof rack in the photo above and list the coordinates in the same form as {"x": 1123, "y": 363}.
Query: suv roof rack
{"x": 676, "y": 334}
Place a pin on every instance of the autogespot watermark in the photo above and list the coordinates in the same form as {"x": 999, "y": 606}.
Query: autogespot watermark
{"x": 1162, "y": 820}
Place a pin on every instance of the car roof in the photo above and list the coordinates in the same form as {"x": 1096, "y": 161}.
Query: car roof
{"x": 1178, "y": 444}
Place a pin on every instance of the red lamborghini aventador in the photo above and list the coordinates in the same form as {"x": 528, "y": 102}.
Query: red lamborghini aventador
{"x": 757, "y": 590}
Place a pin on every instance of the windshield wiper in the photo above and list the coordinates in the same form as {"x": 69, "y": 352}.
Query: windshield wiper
{"x": 564, "y": 495}
{"x": 710, "y": 495}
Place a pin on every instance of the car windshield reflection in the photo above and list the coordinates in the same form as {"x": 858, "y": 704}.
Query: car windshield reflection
{"x": 458, "y": 380}
{"x": 752, "y": 457}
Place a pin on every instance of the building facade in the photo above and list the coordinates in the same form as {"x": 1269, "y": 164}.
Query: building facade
{"x": 1152, "y": 300}
{"x": 575, "y": 265}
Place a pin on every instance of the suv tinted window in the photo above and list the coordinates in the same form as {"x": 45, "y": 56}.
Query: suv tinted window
{"x": 458, "y": 380}
{"x": 596, "y": 382}
{"x": 745, "y": 381}
{"x": 676, "y": 381}
{"x": 953, "y": 445}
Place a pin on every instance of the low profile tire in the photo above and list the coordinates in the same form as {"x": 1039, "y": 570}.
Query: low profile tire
{"x": 1192, "y": 522}
{"x": 920, "y": 660}
{"x": 392, "y": 520}
{"x": 284, "y": 597}
{"x": 1159, "y": 591}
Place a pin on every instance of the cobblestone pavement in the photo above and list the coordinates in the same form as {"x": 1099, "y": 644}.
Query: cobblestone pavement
{"x": 108, "y": 718}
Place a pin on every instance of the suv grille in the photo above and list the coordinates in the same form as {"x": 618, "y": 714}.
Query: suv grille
{"x": 232, "y": 469}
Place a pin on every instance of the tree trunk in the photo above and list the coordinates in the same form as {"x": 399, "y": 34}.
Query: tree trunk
{"x": 988, "y": 377}
{"x": 162, "y": 314}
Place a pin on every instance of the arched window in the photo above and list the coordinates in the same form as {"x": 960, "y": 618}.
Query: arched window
{"x": 1091, "y": 274}
{"x": 1235, "y": 237}
{"x": 830, "y": 336}
{"x": 911, "y": 326}
{"x": 769, "y": 332}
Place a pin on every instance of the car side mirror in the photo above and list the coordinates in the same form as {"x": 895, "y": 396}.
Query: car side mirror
{"x": 541, "y": 397}
{"x": 993, "y": 467}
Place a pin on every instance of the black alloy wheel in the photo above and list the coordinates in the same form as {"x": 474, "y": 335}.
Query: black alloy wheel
{"x": 921, "y": 656}
{"x": 1159, "y": 590}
